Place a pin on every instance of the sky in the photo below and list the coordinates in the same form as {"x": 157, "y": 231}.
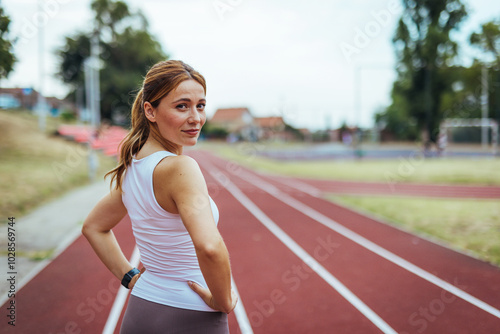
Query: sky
{"x": 317, "y": 63}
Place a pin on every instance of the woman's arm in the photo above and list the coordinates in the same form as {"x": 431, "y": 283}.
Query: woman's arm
{"x": 97, "y": 229}
{"x": 187, "y": 188}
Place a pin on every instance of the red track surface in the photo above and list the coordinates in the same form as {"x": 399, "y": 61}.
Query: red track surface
{"x": 280, "y": 293}
{"x": 392, "y": 187}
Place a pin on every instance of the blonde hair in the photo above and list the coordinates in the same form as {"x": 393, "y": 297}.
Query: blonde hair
{"x": 160, "y": 80}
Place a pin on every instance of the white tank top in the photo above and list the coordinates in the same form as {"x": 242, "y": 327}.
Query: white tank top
{"x": 166, "y": 249}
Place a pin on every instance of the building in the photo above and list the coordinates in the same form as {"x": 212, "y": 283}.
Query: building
{"x": 238, "y": 122}
{"x": 272, "y": 128}
{"x": 306, "y": 134}
{"x": 27, "y": 98}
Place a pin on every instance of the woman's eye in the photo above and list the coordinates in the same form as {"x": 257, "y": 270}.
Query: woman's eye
{"x": 201, "y": 106}
{"x": 182, "y": 106}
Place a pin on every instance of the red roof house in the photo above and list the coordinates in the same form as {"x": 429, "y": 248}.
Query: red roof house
{"x": 237, "y": 121}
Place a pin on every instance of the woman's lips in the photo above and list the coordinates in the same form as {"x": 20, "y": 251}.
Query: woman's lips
{"x": 192, "y": 132}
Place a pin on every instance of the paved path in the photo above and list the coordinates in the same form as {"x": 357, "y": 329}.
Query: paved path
{"x": 301, "y": 264}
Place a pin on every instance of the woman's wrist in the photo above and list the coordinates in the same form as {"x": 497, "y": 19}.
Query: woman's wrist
{"x": 129, "y": 275}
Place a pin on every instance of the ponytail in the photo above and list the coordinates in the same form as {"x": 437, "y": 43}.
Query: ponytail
{"x": 132, "y": 142}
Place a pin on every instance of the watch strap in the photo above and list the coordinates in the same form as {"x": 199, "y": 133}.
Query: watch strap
{"x": 128, "y": 276}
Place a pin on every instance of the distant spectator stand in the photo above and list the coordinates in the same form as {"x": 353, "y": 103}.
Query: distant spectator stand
{"x": 106, "y": 138}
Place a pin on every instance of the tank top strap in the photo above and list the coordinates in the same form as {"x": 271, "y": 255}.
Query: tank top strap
{"x": 149, "y": 163}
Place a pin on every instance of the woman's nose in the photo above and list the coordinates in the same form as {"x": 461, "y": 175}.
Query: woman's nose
{"x": 194, "y": 115}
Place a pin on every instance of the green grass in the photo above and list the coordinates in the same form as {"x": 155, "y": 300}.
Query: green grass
{"x": 465, "y": 224}
{"x": 38, "y": 255}
{"x": 36, "y": 167}
{"x": 439, "y": 171}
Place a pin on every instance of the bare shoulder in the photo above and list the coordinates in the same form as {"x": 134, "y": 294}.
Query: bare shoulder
{"x": 180, "y": 171}
{"x": 178, "y": 165}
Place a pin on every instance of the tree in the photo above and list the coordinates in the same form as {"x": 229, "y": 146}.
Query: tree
{"x": 127, "y": 51}
{"x": 396, "y": 119}
{"x": 7, "y": 58}
{"x": 425, "y": 53}
{"x": 488, "y": 39}
{"x": 463, "y": 100}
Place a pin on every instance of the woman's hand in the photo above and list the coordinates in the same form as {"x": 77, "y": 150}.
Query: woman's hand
{"x": 135, "y": 278}
{"x": 207, "y": 297}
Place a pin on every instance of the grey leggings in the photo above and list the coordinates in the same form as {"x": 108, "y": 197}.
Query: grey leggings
{"x": 143, "y": 316}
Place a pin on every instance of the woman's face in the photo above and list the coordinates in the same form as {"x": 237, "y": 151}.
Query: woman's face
{"x": 181, "y": 114}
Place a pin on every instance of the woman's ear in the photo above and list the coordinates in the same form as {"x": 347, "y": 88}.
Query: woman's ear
{"x": 150, "y": 112}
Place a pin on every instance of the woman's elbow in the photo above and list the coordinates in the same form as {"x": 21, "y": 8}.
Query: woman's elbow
{"x": 88, "y": 229}
{"x": 85, "y": 229}
{"x": 228, "y": 307}
{"x": 212, "y": 251}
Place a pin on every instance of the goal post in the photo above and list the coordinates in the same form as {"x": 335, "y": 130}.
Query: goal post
{"x": 470, "y": 122}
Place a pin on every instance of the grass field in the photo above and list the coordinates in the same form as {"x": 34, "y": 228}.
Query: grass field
{"x": 441, "y": 171}
{"x": 36, "y": 167}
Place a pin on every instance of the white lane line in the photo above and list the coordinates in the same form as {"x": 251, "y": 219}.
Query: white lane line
{"x": 301, "y": 186}
{"x": 362, "y": 241}
{"x": 240, "y": 313}
{"x": 65, "y": 243}
{"x": 299, "y": 251}
{"x": 121, "y": 298}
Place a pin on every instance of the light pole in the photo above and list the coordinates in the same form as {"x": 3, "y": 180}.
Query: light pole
{"x": 484, "y": 107}
{"x": 358, "y": 98}
{"x": 41, "y": 99}
{"x": 93, "y": 99}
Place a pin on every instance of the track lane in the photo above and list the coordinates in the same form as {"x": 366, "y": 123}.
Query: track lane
{"x": 309, "y": 260}
{"x": 393, "y": 293}
{"x": 273, "y": 209}
{"x": 281, "y": 295}
{"x": 397, "y": 188}
{"x": 482, "y": 279}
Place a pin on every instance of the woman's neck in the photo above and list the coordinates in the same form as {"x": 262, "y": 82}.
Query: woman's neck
{"x": 152, "y": 145}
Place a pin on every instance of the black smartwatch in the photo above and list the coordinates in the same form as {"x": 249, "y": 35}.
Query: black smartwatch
{"x": 128, "y": 276}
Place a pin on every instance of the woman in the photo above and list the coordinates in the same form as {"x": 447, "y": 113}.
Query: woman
{"x": 186, "y": 287}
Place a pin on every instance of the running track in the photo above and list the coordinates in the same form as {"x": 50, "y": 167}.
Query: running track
{"x": 393, "y": 187}
{"x": 301, "y": 265}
